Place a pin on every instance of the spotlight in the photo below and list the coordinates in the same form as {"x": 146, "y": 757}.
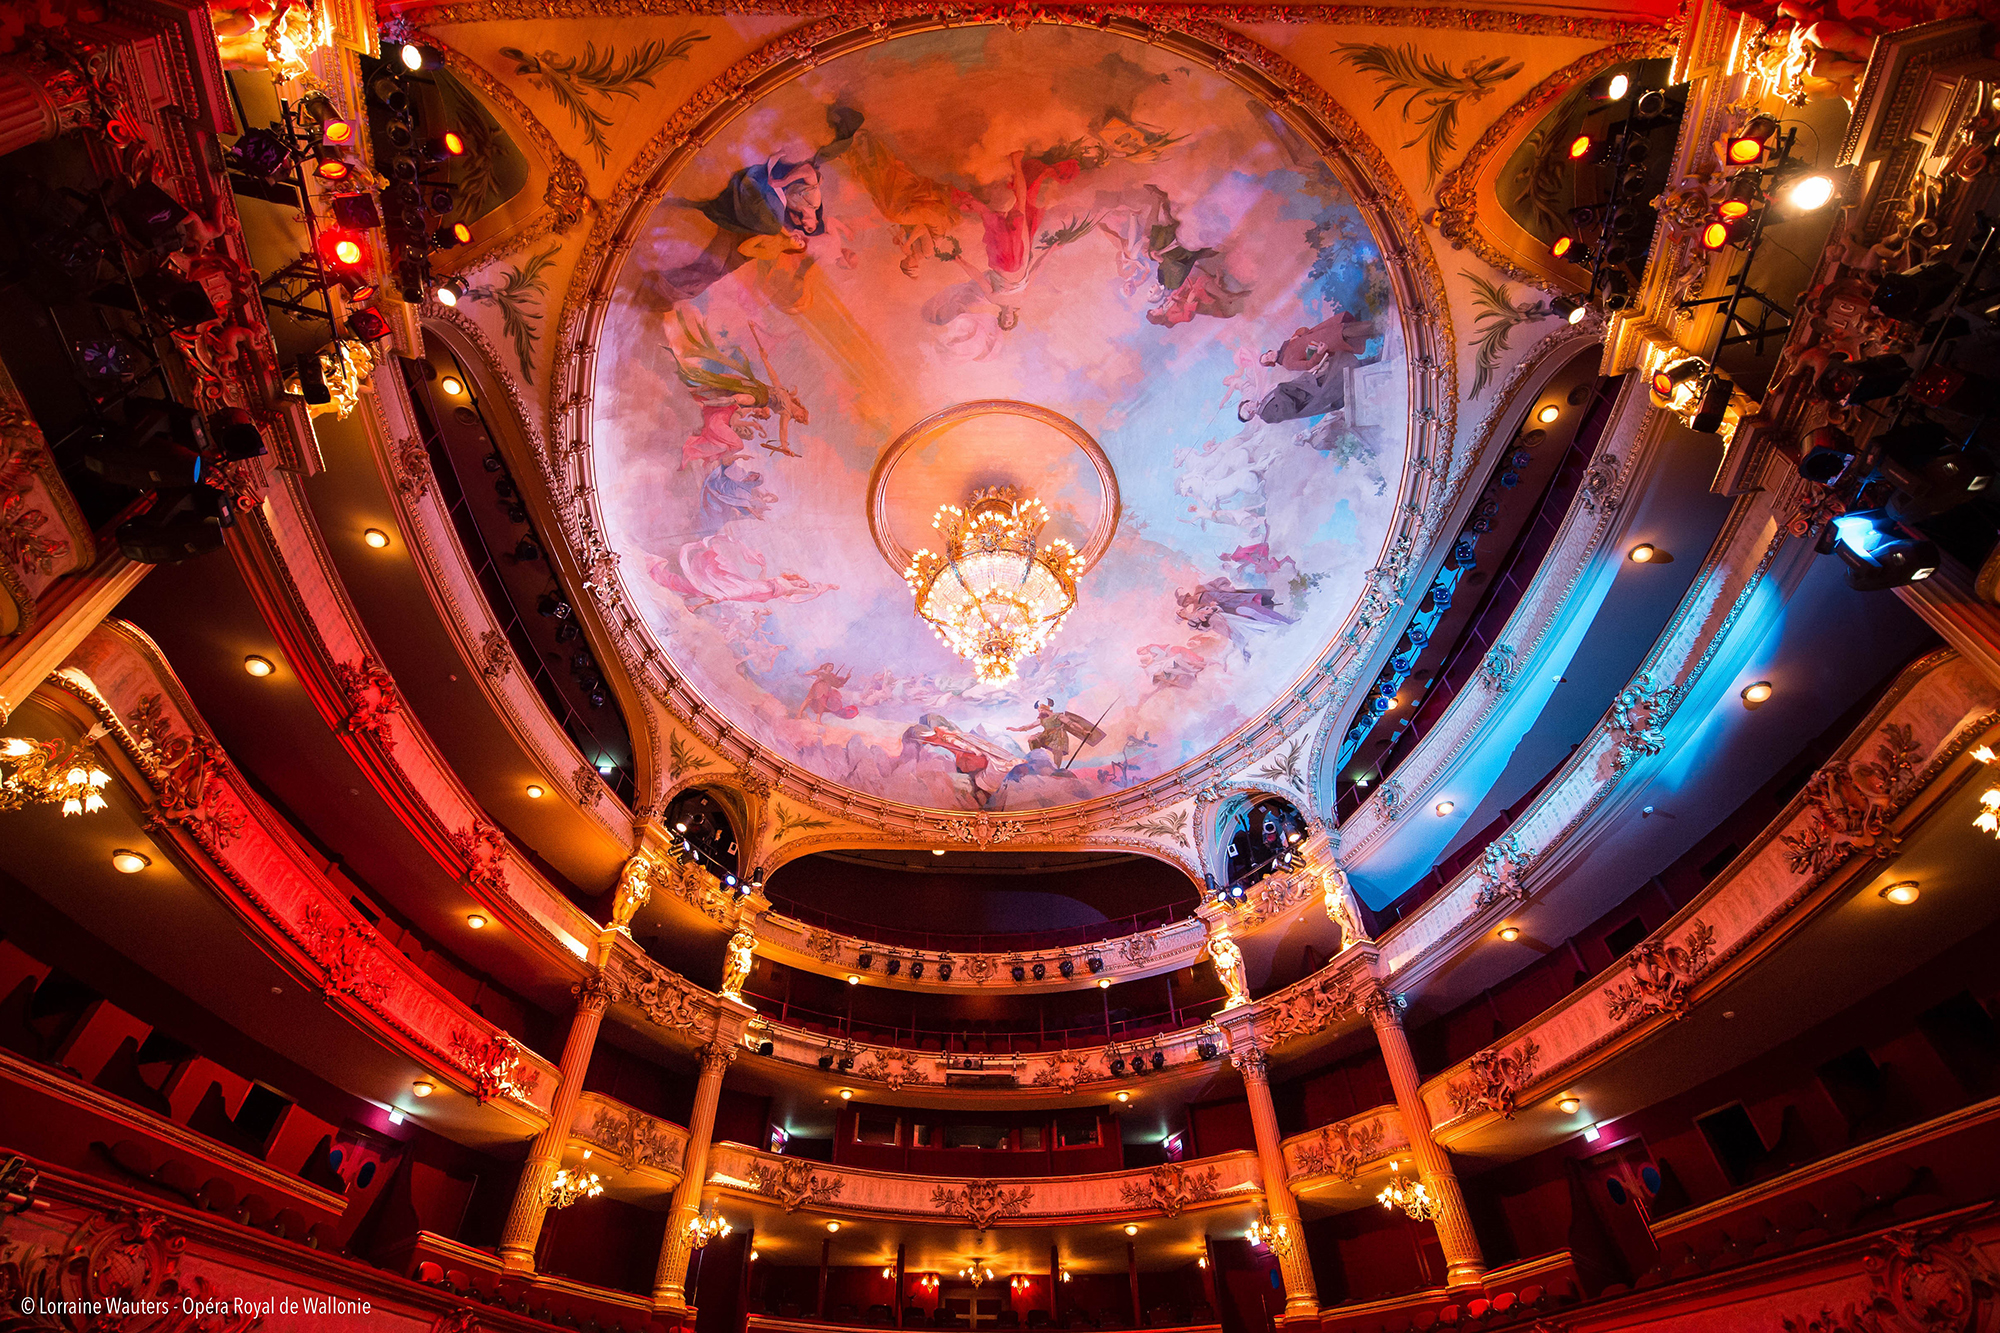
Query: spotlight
{"x": 1569, "y": 309}
{"x": 1717, "y": 235}
{"x": 180, "y": 525}
{"x": 136, "y": 456}
{"x": 331, "y": 163}
{"x": 1159, "y": 1059}
{"x": 449, "y": 144}
{"x": 892, "y": 966}
{"x": 1067, "y": 967}
{"x": 367, "y": 325}
{"x": 1118, "y": 1067}
{"x": 235, "y": 435}
{"x": 1708, "y": 413}
{"x": 1879, "y": 555}
{"x": 1611, "y": 87}
{"x": 1039, "y": 971}
{"x": 152, "y": 216}
{"x": 1093, "y": 964}
{"x": 916, "y": 969}
{"x": 312, "y": 379}
{"x": 1670, "y": 382}
{"x": 412, "y": 56}
{"x": 1738, "y": 199}
{"x": 944, "y": 970}
{"x": 1018, "y": 972}
{"x": 448, "y": 291}
{"x": 343, "y": 250}
{"x": 1748, "y": 144}
{"x": 338, "y": 132}
{"x": 1562, "y": 245}
{"x": 865, "y": 961}
{"x": 1915, "y": 291}
{"x": 1580, "y": 147}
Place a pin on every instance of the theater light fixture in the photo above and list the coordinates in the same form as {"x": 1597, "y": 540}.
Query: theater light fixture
{"x": 1748, "y": 144}
{"x": 1756, "y": 693}
{"x": 258, "y": 666}
{"x": 476, "y": 920}
{"x": 1989, "y": 800}
{"x": 423, "y": 1087}
{"x": 376, "y": 538}
{"x": 452, "y": 385}
{"x": 1811, "y": 193}
{"x": 832, "y": 1227}
{"x": 1548, "y": 414}
{"x": 1444, "y": 808}
{"x": 1569, "y": 1105}
{"x": 535, "y": 791}
{"x": 1641, "y": 554}
{"x": 129, "y": 862}
{"x": 1510, "y": 933}
{"x": 1902, "y": 892}
{"x": 1580, "y": 146}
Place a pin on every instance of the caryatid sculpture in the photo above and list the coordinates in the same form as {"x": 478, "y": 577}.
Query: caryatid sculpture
{"x": 635, "y": 890}
{"x": 1228, "y": 960}
{"x": 1342, "y": 907}
{"x": 736, "y": 968}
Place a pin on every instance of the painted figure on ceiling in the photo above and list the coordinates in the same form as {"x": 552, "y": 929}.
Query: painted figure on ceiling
{"x": 726, "y": 388}
{"x": 771, "y": 208}
{"x": 1325, "y": 354}
{"x": 823, "y": 695}
{"x": 1053, "y": 730}
{"x": 983, "y": 765}
{"x": 732, "y": 492}
{"x": 722, "y": 569}
{"x": 919, "y": 210}
{"x": 1200, "y": 605}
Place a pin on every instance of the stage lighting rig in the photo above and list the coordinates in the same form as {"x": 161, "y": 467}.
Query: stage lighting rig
{"x": 1609, "y": 235}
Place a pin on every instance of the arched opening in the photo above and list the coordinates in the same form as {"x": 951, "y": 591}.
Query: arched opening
{"x": 700, "y": 819}
{"x": 1263, "y": 840}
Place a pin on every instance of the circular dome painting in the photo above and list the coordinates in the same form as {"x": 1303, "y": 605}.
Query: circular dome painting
{"x": 1054, "y": 225}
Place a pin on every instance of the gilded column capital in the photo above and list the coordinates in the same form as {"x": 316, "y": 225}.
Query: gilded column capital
{"x": 593, "y": 993}
{"x": 1253, "y": 1062}
{"x": 717, "y": 1056}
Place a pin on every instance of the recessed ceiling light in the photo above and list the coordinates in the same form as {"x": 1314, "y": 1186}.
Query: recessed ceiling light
{"x": 376, "y": 538}
{"x": 1902, "y": 893}
{"x": 1124, "y": 1096}
{"x": 258, "y": 666}
{"x": 937, "y": 851}
{"x": 129, "y": 862}
{"x": 833, "y": 1226}
{"x": 1569, "y": 1105}
{"x": 1445, "y": 807}
{"x": 452, "y": 385}
{"x": 1641, "y": 553}
{"x": 847, "y": 1094}
{"x": 535, "y": 792}
{"x": 1548, "y": 413}
{"x": 477, "y": 920}
{"x": 1131, "y": 1230}
{"x": 1104, "y": 983}
{"x": 1510, "y": 933}
{"x": 423, "y": 1087}
{"x": 853, "y": 980}
{"x": 1757, "y": 693}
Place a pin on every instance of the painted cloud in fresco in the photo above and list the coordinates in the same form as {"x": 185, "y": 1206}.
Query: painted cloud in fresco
{"x": 1053, "y": 216}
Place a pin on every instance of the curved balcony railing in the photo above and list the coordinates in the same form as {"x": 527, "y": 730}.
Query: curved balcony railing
{"x": 794, "y": 1184}
{"x": 1030, "y": 941}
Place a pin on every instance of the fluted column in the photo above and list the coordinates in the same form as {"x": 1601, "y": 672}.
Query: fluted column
{"x": 1464, "y": 1265}
{"x": 1289, "y": 1243}
{"x": 524, "y": 1219}
{"x": 670, "y": 1278}
{"x": 37, "y": 102}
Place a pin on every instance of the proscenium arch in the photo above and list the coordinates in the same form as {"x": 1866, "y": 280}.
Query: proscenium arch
{"x": 1305, "y": 109}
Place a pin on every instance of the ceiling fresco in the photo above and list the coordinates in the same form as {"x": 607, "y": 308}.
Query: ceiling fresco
{"x": 1087, "y": 226}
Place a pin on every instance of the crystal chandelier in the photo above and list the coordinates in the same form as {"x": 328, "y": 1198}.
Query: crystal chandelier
{"x": 50, "y": 772}
{"x": 1408, "y": 1195}
{"x": 999, "y": 591}
{"x": 705, "y": 1227}
{"x": 568, "y": 1186}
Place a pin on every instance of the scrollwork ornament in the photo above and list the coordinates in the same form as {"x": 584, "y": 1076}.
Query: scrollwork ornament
{"x": 982, "y": 1202}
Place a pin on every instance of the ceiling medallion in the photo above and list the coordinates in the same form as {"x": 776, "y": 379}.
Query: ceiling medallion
{"x": 998, "y": 591}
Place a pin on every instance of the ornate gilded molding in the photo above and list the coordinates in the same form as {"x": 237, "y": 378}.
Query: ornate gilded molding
{"x": 794, "y": 1184}
{"x": 981, "y": 1202}
{"x": 1171, "y": 1187}
{"x": 1019, "y": 14}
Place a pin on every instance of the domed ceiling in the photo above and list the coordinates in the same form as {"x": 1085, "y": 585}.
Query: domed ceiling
{"x": 1059, "y": 225}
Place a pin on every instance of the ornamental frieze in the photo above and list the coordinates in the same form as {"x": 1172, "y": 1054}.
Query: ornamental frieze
{"x": 1340, "y": 1150}
{"x": 981, "y": 1202}
{"x": 1496, "y": 1079}
{"x": 794, "y": 1184}
{"x": 1170, "y": 1187}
